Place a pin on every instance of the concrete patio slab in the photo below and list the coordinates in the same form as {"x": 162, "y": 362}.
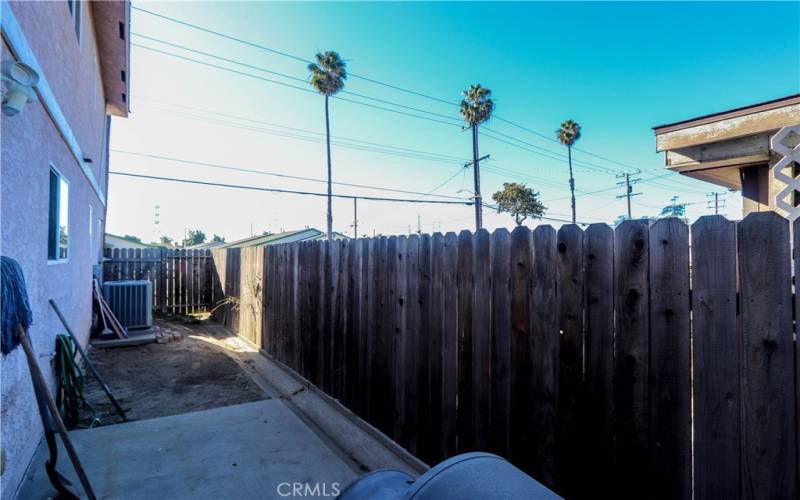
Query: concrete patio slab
{"x": 247, "y": 451}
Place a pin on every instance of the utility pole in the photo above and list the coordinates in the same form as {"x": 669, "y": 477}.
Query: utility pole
{"x": 628, "y": 183}
{"x": 477, "y": 171}
{"x": 354, "y": 225}
{"x": 715, "y": 202}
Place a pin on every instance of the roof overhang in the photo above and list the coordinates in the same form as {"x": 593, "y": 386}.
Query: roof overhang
{"x": 714, "y": 147}
{"x": 112, "y": 27}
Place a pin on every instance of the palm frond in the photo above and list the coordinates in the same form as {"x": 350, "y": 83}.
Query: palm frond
{"x": 328, "y": 73}
{"x": 477, "y": 105}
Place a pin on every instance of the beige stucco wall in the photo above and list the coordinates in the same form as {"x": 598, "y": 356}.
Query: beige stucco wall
{"x": 30, "y": 143}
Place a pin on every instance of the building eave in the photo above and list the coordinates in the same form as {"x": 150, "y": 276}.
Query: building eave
{"x": 112, "y": 27}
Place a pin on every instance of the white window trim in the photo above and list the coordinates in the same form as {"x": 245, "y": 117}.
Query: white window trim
{"x": 61, "y": 176}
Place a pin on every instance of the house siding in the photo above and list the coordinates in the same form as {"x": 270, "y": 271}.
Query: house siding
{"x": 31, "y": 142}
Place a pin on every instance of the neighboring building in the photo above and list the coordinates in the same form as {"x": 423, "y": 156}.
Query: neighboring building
{"x": 54, "y": 184}
{"x": 284, "y": 237}
{"x": 731, "y": 149}
{"x": 114, "y": 241}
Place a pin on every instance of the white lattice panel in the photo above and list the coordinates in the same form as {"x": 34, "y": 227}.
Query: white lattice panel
{"x": 790, "y": 156}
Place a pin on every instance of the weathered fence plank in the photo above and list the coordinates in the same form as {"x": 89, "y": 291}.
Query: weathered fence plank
{"x": 465, "y": 286}
{"x": 670, "y": 360}
{"x": 543, "y": 348}
{"x": 501, "y": 336}
{"x": 632, "y": 346}
{"x": 769, "y": 425}
{"x": 435, "y": 348}
{"x": 717, "y": 430}
{"x": 411, "y": 360}
{"x": 521, "y": 254}
{"x": 450, "y": 325}
{"x": 599, "y": 360}
{"x": 570, "y": 383}
{"x": 481, "y": 347}
{"x": 425, "y": 431}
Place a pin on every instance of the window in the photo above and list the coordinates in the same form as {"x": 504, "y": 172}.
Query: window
{"x": 75, "y": 14}
{"x": 58, "y": 221}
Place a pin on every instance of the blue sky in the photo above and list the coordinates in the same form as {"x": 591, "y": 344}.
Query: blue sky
{"x": 616, "y": 68}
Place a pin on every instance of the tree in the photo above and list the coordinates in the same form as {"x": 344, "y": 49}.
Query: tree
{"x": 132, "y": 238}
{"x": 568, "y": 134}
{"x": 194, "y": 237}
{"x": 674, "y": 209}
{"x": 166, "y": 241}
{"x": 218, "y": 239}
{"x": 327, "y": 77}
{"x": 520, "y": 201}
{"x": 476, "y": 108}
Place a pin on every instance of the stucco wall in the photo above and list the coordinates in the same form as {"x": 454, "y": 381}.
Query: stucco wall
{"x": 30, "y": 143}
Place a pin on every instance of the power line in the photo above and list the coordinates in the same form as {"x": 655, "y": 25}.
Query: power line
{"x": 441, "y": 156}
{"x": 284, "y": 75}
{"x": 274, "y": 174}
{"x": 284, "y": 84}
{"x": 288, "y": 191}
{"x": 286, "y": 54}
{"x": 552, "y": 154}
{"x": 362, "y": 77}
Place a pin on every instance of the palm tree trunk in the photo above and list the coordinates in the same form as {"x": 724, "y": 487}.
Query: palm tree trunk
{"x": 330, "y": 191}
{"x": 477, "y": 170}
{"x": 571, "y": 182}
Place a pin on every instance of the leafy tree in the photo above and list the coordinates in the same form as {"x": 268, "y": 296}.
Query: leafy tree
{"x": 476, "y": 108}
{"x": 327, "y": 77}
{"x": 674, "y": 209}
{"x": 166, "y": 241}
{"x": 568, "y": 134}
{"x": 218, "y": 239}
{"x": 132, "y": 238}
{"x": 194, "y": 237}
{"x": 520, "y": 201}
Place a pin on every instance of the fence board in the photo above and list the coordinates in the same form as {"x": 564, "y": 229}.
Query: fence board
{"x": 411, "y": 361}
{"x": 632, "y": 348}
{"x": 500, "y": 365}
{"x": 543, "y": 348}
{"x": 435, "y": 348}
{"x": 716, "y": 359}
{"x": 398, "y": 328}
{"x": 670, "y": 360}
{"x": 521, "y": 370}
{"x": 570, "y": 384}
{"x": 450, "y": 319}
{"x": 465, "y": 286}
{"x": 769, "y": 468}
{"x": 481, "y": 348}
{"x": 425, "y": 431}
{"x": 599, "y": 359}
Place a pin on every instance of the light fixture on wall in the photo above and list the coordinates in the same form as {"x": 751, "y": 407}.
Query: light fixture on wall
{"x": 18, "y": 80}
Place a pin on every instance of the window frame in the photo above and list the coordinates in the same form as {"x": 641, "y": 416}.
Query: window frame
{"x": 61, "y": 178}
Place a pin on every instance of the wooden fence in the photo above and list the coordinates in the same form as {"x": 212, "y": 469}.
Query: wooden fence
{"x": 594, "y": 360}
{"x": 183, "y": 280}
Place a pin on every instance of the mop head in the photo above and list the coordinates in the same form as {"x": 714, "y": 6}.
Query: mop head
{"x": 14, "y": 302}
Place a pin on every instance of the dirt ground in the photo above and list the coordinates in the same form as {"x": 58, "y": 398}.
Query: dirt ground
{"x": 160, "y": 379}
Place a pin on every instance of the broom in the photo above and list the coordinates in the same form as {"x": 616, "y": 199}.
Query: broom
{"x": 16, "y": 318}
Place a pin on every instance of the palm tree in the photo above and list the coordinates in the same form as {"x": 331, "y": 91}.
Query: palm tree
{"x": 476, "y": 108}
{"x": 568, "y": 134}
{"x": 327, "y": 77}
